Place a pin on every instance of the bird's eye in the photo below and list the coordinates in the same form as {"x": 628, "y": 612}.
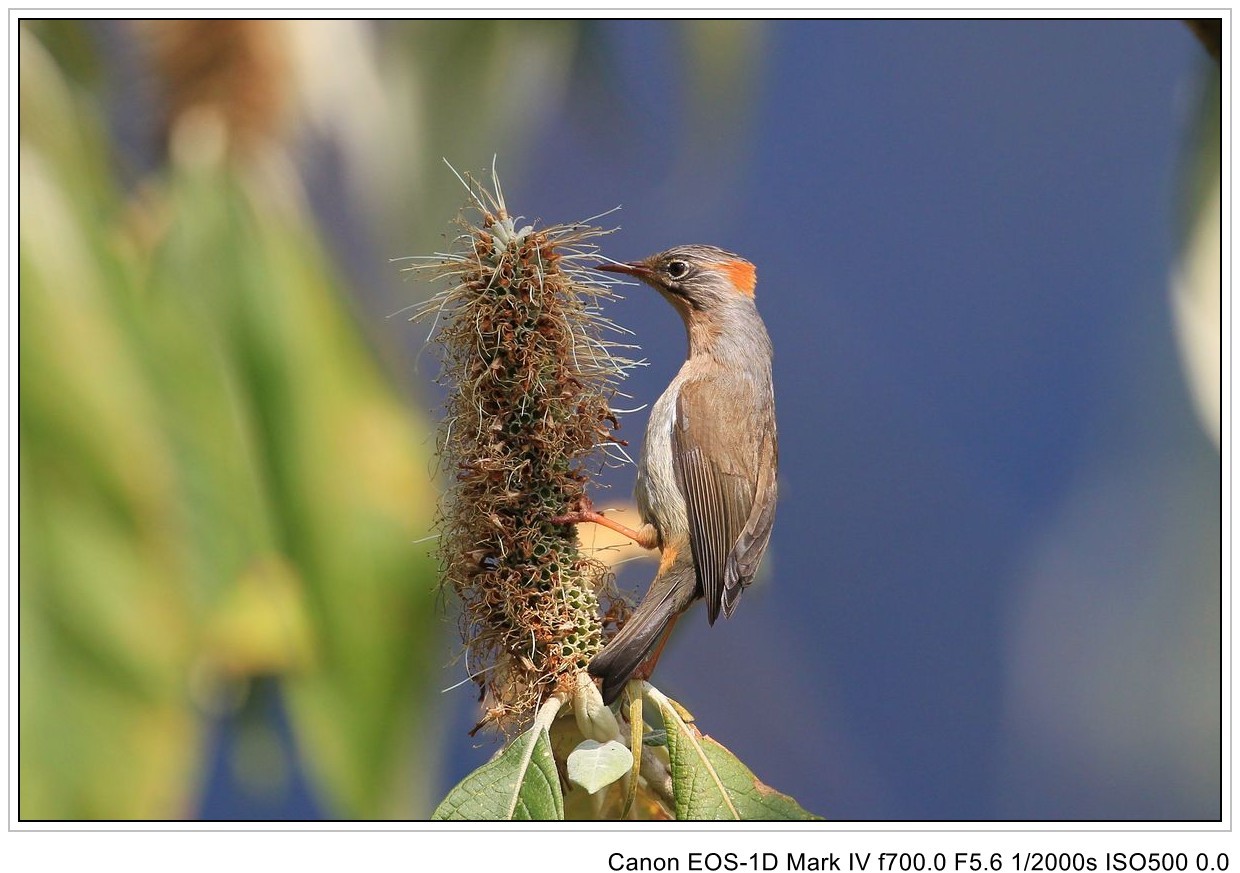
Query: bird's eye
{"x": 677, "y": 269}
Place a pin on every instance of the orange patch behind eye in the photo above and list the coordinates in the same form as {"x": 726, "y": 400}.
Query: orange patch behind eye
{"x": 743, "y": 276}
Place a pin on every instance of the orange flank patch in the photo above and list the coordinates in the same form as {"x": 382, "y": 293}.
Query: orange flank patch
{"x": 667, "y": 557}
{"x": 743, "y": 276}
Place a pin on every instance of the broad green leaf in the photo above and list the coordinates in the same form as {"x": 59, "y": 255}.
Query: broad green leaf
{"x": 520, "y": 785}
{"x": 711, "y": 783}
{"x": 593, "y": 765}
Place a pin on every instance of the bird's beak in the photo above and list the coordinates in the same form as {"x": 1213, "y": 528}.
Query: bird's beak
{"x": 638, "y": 270}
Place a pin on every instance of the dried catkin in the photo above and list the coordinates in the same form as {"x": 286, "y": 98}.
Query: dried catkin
{"x": 531, "y": 366}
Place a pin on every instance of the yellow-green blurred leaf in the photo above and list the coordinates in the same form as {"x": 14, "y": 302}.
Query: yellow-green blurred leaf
{"x": 217, "y": 480}
{"x": 107, "y": 617}
{"x": 261, "y": 626}
{"x": 342, "y": 467}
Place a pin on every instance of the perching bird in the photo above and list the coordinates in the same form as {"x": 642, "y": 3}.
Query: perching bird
{"x": 706, "y": 476}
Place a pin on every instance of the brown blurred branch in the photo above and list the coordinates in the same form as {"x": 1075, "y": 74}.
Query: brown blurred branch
{"x": 239, "y": 70}
{"x": 1210, "y": 32}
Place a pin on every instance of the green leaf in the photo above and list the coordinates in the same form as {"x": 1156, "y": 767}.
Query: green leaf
{"x": 711, "y": 783}
{"x": 520, "y": 785}
{"x": 593, "y": 765}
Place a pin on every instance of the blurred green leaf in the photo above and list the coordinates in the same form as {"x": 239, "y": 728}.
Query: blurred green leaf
{"x": 1197, "y": 283}
{"x": 71, "y": 45}
{"x": 335, "y": 452}
{"x": 217, "y": 482}
{"x": 107, "y": 616}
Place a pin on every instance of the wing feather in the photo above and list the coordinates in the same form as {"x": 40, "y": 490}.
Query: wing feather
{"x": 724, "y": 460}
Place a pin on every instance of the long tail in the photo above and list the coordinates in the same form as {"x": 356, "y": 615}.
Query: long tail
{"x": 669, "y": 595}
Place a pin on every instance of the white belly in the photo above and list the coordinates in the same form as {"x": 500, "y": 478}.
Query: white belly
{"x": 658, "y": 496}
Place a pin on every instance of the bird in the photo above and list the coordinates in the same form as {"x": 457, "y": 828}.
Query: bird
{"x": 706, "y": 476}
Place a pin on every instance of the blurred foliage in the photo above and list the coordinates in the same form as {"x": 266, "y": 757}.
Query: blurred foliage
{"x": 217, "y": 481}
{"x": 1197, "y": 283}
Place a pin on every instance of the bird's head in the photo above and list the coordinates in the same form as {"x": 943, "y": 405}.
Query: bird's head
{"x": 695, "y": 279}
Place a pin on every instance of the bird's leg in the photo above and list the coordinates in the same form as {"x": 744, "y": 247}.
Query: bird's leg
{"x": 647, "y": 536}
